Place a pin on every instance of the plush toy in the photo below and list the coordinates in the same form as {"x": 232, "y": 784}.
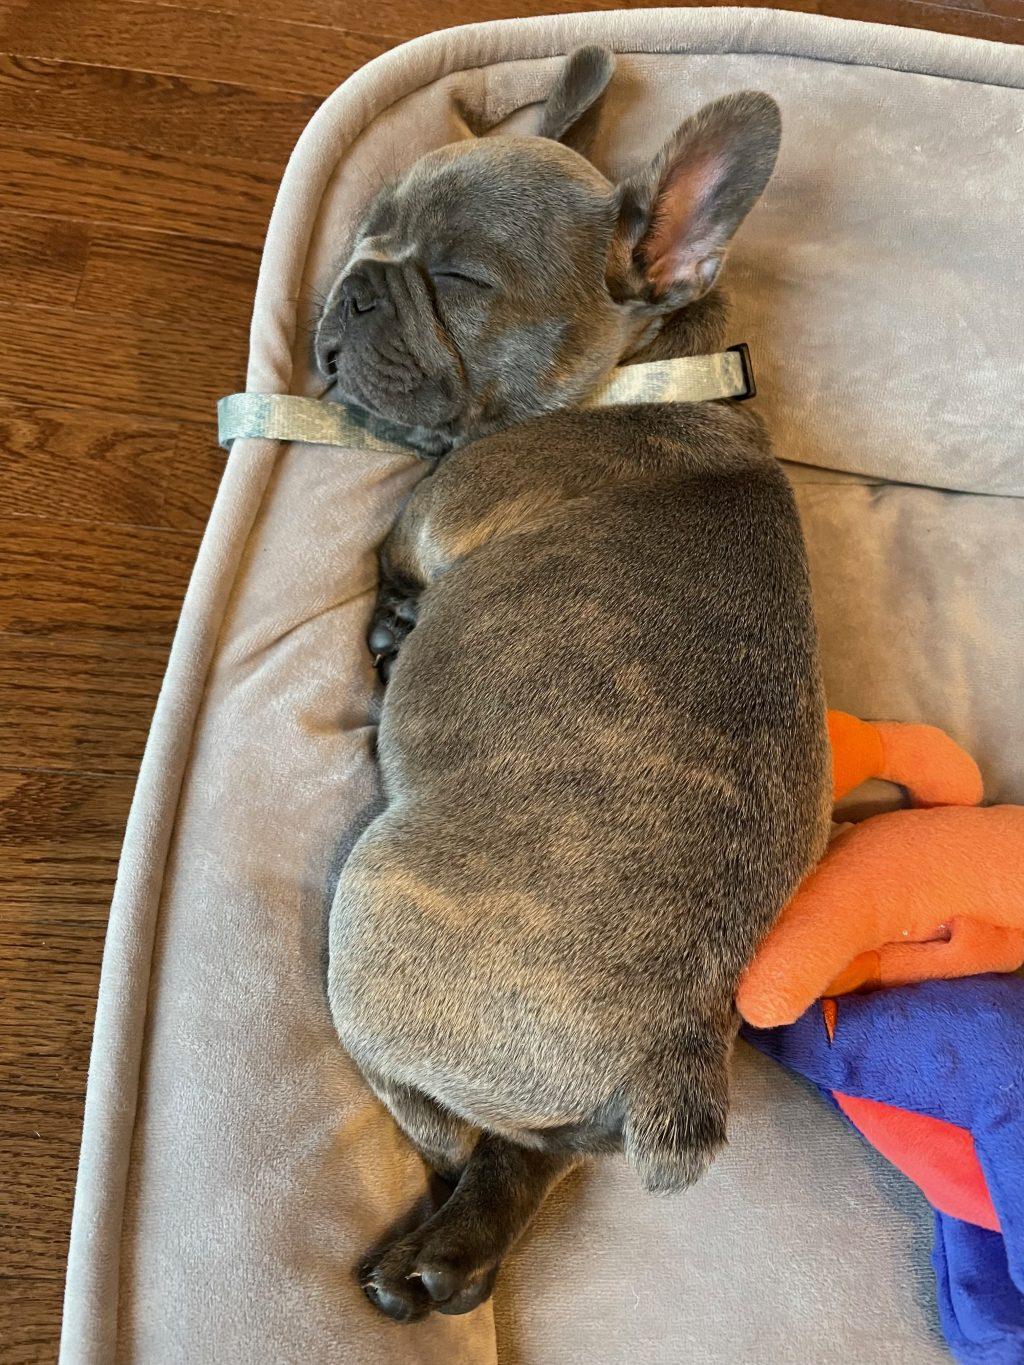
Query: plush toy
{"x": 907, "y": 896}
{"x": 947, "y": 1057}
{"x": 932, "y": 767}
{"x": 933, "y": 1075}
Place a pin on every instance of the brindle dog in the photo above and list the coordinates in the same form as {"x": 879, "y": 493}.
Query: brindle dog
{"x": 602, "y": 745}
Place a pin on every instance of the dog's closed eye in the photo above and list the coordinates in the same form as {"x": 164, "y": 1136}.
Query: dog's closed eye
{"x": 446, "y": 275}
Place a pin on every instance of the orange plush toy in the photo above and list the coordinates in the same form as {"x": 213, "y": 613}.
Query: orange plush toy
{"x": 916, "y": 894}
{"x": 932, "y": 767}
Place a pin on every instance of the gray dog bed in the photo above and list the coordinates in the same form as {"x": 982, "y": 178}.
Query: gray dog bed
{"x": 233, "y": 1164}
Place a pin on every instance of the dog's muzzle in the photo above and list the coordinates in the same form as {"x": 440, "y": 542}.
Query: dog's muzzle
{"x": 380, "y": 342}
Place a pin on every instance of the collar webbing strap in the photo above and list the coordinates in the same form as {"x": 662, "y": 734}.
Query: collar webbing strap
{"x": 287, "y": 417}
{"x": 689, "y": 379}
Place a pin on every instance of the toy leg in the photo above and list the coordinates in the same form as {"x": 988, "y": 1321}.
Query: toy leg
{"x": 980, "y": 1308}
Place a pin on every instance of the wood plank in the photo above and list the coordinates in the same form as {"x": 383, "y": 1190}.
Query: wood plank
{"x": 58, "y": 824}
{"x": 994, "y": 19}
{"x": 41, "y": 259}
{"x": 400, "y": 19}
{"x": 51, "y": 977}
{"x": 73, "y": 465}
{"x": 39, "y": 1135}
{"x": 939, "y": 18}
{"x": 66, "y": 877}
{"x": 1009, "y": 9}
{"x": 56, "y": 881}
{"x": 142, "y": 111}
{"x": 195, "y": 476}
{"x": 80, "y": 705}
{"x": 272, "y": 53}
{"x": 30, "y": 1310}
{"x": 88, "y": 582}
{"x": 60, "y": 837}
{"x": 170, "y": 277}
{"x": 125, "y": 365}
{"x": 70, "y": 177}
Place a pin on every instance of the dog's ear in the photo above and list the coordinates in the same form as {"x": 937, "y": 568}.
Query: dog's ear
{"x": 677, "y": 217}
{"x": 465, "y": 122}
{"x": 675, "y": 1112}
{"x": 570, "y": 112}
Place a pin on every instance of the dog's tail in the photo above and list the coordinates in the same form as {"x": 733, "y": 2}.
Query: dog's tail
{"x": 675, "y": 1110}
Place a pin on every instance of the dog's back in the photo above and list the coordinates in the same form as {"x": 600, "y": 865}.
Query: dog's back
{"x": 605, "y": 763}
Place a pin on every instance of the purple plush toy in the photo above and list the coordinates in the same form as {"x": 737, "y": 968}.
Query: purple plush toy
{"x": 952, "y": 1050}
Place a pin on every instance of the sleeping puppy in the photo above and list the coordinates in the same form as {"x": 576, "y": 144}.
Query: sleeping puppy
{"x": 602, "y": 744}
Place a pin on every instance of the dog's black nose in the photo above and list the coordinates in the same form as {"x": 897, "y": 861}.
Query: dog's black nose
{"x": 358, "y": 294}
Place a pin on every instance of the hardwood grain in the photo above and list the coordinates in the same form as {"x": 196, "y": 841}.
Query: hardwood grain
{"x": 1011, "y": 9}
{"x": 88, "y": 582}
{"x": 78, "y": 705}
{"x": 33, "y": 1303}
{"x": 42, "y": 1128}
{"x": 123, "y": 471}
{"x": 41, "y": 259}
{"x": 128, "y": 364}
{"x": 399, "y": 19}
{"x": 275, "y": 54}
{"x": 992, "y": 19}
{"x": 194, "y": 476}
{"x": 60, "y": 833}
{"x": 953, "y": 18}
{"x": 74, "y": 177}
{"x": 175, "y": 279}
{"x": 151, "y": 112}
{"x": 141, "y": 145}
{"x": 39, "y": 1134}
{"x": 59, "y": 839}
{"x": 46, "y": 1032}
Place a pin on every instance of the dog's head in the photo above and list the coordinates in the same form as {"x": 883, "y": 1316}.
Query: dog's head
{"x": 503, "y": 277}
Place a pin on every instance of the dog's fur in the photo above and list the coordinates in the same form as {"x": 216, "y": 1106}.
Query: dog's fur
{"x": 603, "y": 745}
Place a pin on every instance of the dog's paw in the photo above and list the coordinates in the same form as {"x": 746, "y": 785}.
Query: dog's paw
{"x": 425, "y": 1272}
{"x": 392, "y": 621}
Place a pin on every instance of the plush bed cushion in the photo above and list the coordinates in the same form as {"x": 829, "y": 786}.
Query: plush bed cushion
{"x": 233, "y": 1165}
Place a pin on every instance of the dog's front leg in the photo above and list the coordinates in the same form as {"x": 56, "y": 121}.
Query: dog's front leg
{"x": 449, "y": 1263}
{"x": 394, "y": 616}
{"x": 403, "y": 575}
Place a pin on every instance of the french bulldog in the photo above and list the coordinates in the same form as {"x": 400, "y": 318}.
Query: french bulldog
{"x": 602, "y": 743}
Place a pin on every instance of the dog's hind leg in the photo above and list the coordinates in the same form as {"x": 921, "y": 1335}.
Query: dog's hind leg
{"x": 449, "y": 1263}
{"x": 443, "y": 1139}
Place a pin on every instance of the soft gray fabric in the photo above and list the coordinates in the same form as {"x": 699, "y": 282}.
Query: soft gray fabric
{"x": 233, "y": 1165}
{"x": 799, "y": 1247}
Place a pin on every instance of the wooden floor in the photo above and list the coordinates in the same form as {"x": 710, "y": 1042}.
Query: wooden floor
{"x": 141, "y": 143}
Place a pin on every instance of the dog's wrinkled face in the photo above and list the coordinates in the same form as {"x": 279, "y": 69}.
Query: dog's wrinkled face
{"x": 503, "y": 277}
{"x": 475, "y": 295}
